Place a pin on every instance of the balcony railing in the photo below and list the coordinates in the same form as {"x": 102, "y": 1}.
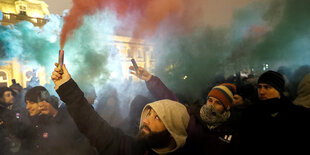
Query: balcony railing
{"x": 11, "y": 18}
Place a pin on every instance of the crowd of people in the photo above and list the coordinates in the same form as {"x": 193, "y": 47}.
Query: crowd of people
{"x": 252, "y": 115}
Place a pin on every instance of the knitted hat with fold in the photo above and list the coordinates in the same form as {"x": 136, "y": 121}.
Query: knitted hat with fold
{"x": 274, "y": 79}
{"x": 224, "y": 93}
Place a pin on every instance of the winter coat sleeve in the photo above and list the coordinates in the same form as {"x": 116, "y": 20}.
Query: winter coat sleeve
{"x": 106, "y": 139}
{"x": 159, "y": 90}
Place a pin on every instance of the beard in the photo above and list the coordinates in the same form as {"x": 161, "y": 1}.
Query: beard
{"x": 155, "y": 140}
{"x": 212, "y": 117}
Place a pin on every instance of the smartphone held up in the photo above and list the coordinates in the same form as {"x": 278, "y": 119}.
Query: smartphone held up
{"x": 134, "y": 63}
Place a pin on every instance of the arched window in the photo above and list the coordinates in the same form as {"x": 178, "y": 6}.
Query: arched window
{"x": 3, "y": 79}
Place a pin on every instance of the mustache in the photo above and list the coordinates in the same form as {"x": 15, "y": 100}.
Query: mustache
{"x": 146, "y": 127}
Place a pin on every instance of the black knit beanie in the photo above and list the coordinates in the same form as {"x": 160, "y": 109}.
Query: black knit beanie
{"x": 274, "y": 79}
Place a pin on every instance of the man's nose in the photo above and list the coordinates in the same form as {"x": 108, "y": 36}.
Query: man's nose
{"x": 146, "y": 120}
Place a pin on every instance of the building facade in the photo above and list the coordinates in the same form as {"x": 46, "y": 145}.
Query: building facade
{"x": 14, "y": 11}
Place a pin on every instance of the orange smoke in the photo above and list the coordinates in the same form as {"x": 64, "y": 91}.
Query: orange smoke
{"x": 154, "y": 13}
{"x": 183, "y": 14}
{"x": 81, "y": 8}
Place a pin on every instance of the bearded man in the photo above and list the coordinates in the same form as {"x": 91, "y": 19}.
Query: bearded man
{"x": 162, "y": 125}
{"x": 209, "y": 130}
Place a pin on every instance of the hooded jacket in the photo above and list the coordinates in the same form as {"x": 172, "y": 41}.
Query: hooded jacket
{"x": 303, "y": 98}
{"x": 175, "y": 117}
{"x": 109, "y": 140}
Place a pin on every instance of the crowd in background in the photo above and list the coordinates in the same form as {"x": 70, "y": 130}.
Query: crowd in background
{"x": 252, "y": 114}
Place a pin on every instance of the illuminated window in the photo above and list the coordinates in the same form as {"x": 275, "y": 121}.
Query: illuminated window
{"x": 7, "y": 16}
{"x": 34, "y": 20}
{"x": 22, "y": 13}
{"x": 3, "y": 79}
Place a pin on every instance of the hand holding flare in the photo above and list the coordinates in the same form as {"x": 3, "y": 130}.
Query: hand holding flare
{"x": 58, "y": 78}
{"x": 142, "y": 73}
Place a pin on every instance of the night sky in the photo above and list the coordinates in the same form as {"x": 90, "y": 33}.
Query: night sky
{"x": 58, "y": 6}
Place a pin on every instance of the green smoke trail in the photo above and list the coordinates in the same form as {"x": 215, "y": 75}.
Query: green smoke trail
{"x": 88, "y": 51}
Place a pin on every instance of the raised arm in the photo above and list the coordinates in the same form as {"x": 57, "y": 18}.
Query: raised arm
{"x": 101, "y": 135}
{"x": 156, "y": 87}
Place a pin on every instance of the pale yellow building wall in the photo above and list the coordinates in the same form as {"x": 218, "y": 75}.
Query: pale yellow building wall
{"x": 34, "y": 8}
{"x": 16, "y": 70}
{"x": 37, "y": 8}
{"x": 7, "y": 6}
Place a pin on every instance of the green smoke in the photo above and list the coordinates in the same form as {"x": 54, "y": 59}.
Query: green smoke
{"x": 88, "y": 51}
{"x": 254, "y": 38}
{"x": 86, "y": 54}
{"x": 188, "y": 62}
{"x": 27, "y": 43}
{"x": 191, "y": 64}
{"x": 288, "y": 44}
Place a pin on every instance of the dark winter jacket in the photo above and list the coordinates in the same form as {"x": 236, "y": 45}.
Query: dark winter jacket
{"x": 223, "y": 139}
{"x": 275, "y": 126}
{"x": 13, "y": 131}
{"x": 57, "y": 136}
{"x": 106, "y": 139}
